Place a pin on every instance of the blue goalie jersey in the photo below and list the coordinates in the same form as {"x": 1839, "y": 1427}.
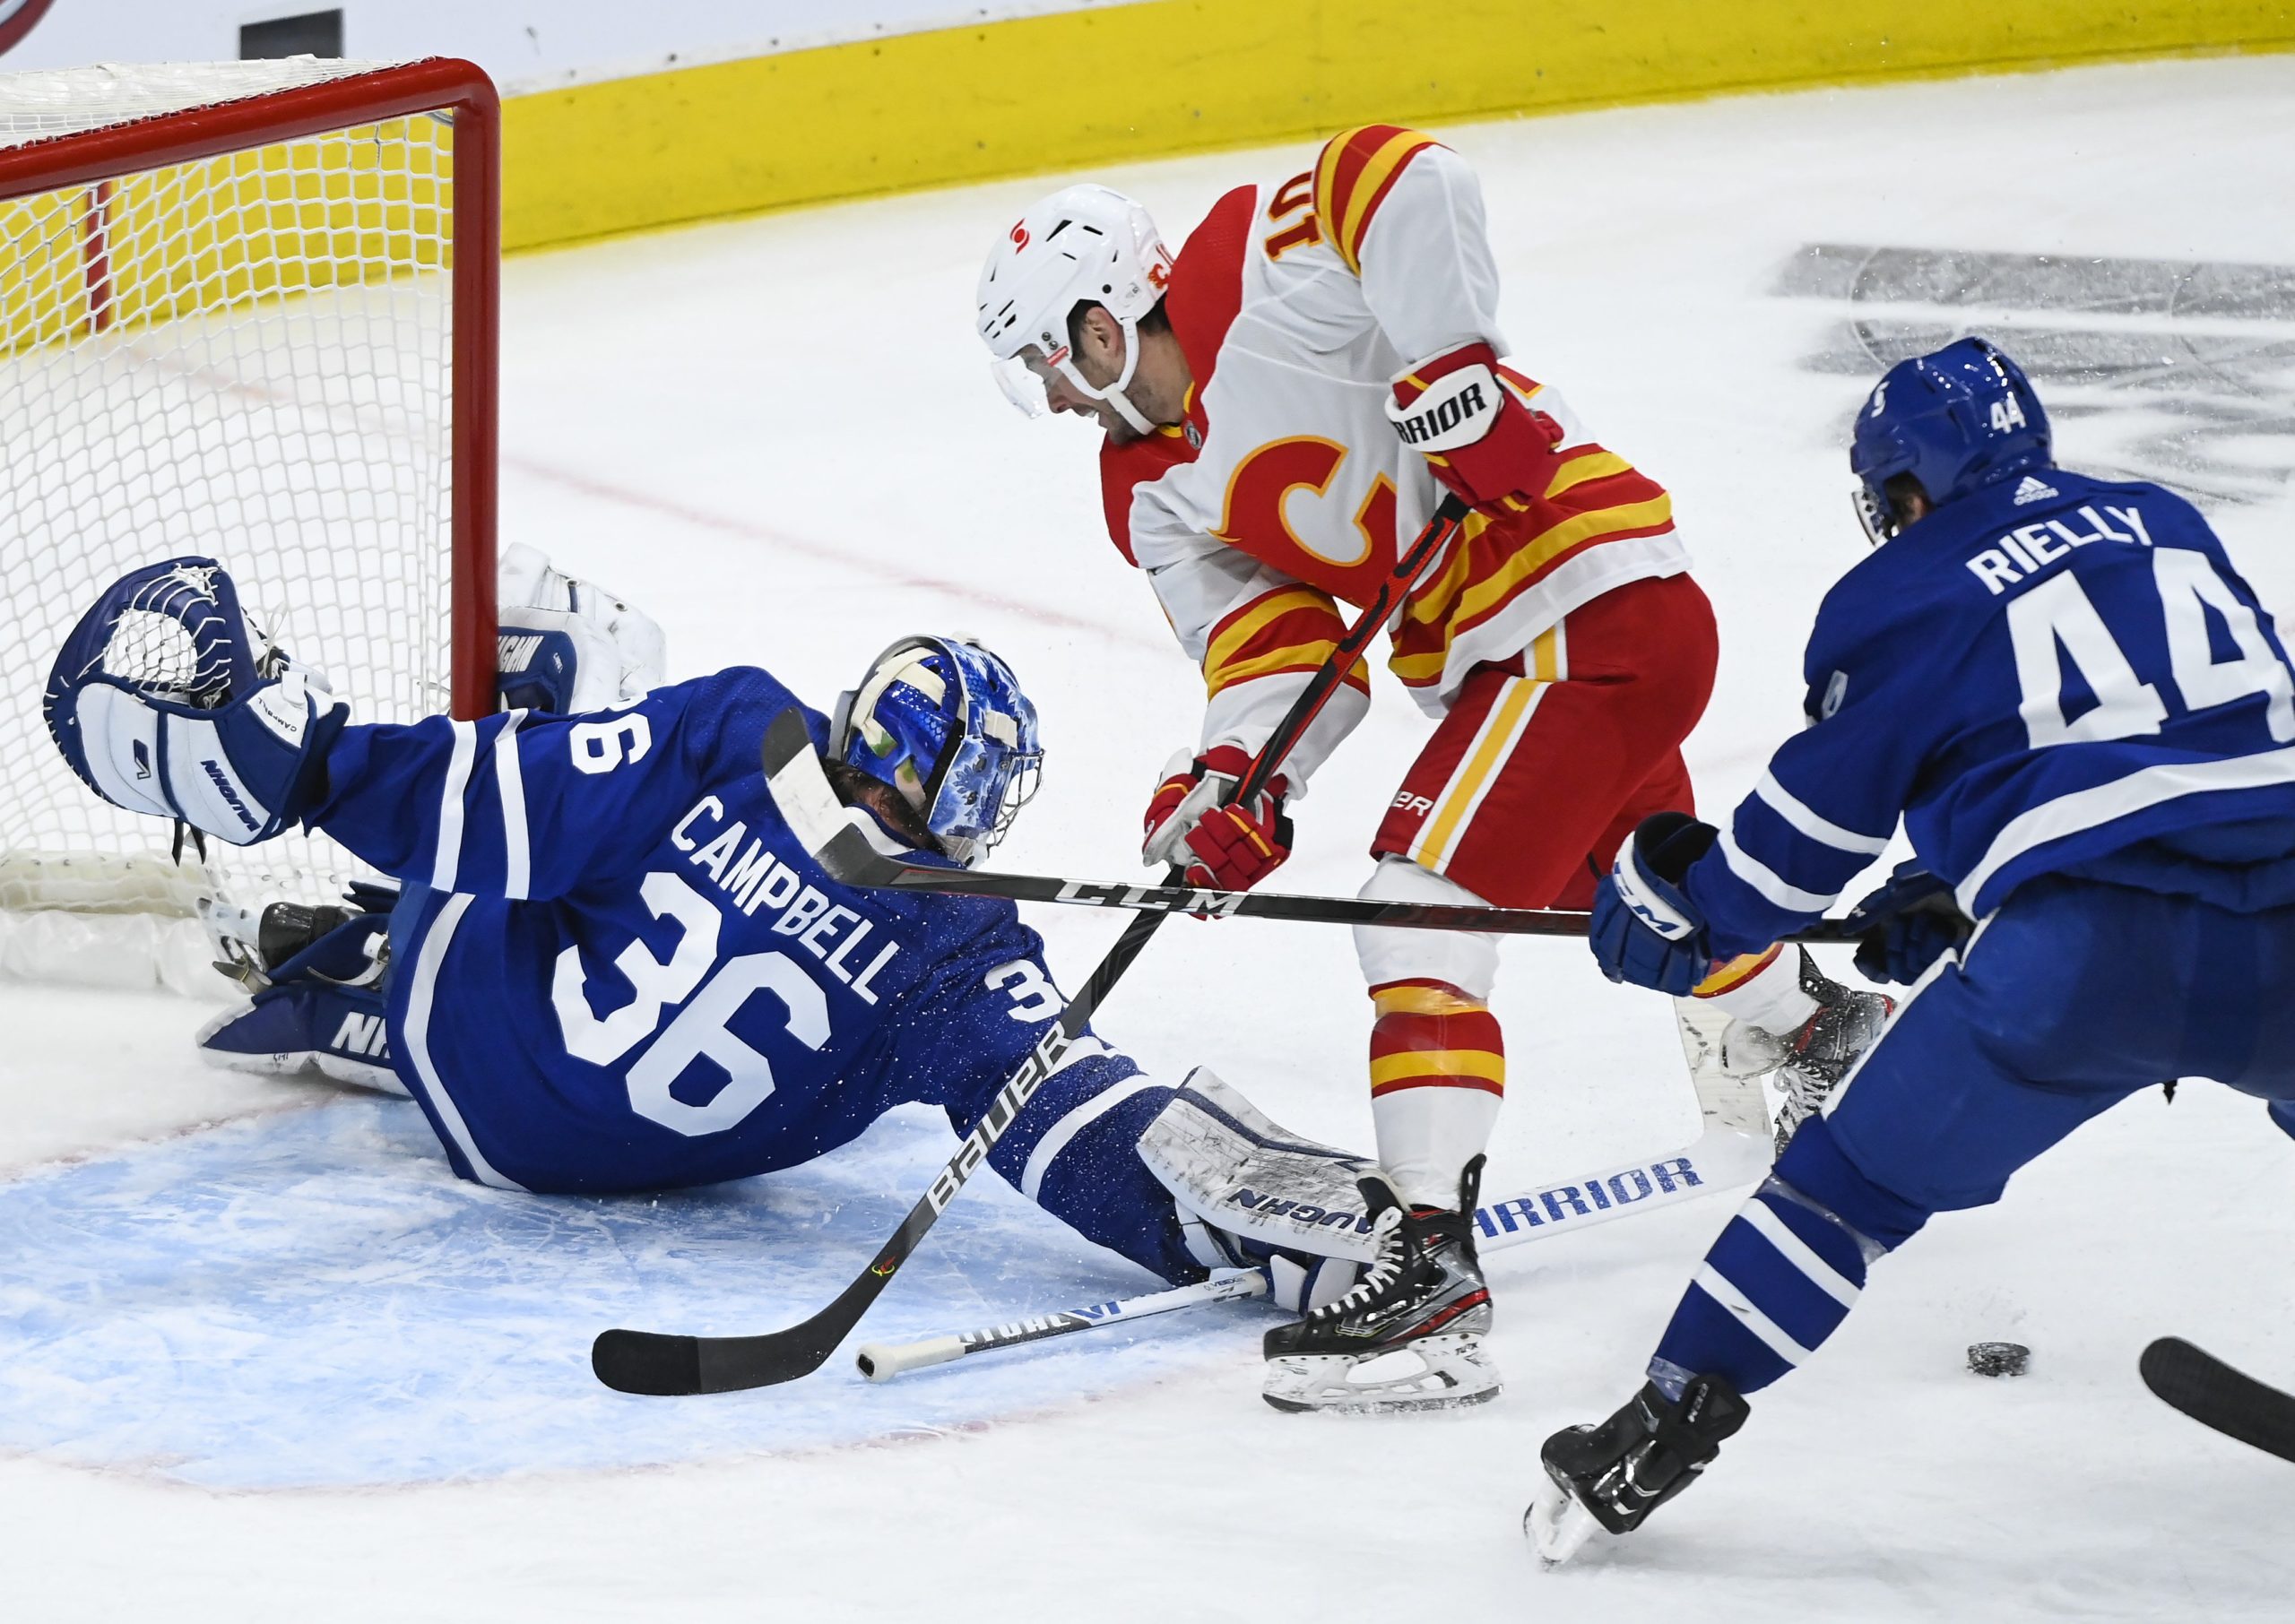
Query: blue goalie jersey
{"x": 2054, "y": 674}
{"x": 615, "y": 969}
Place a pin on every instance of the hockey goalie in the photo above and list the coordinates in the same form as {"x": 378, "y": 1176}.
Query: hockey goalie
{"x": 608, "y": 965}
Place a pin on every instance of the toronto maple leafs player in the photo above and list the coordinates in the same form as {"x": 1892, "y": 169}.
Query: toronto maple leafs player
{"x": 609, "y": 965}
{"x": 2087, "y": 722}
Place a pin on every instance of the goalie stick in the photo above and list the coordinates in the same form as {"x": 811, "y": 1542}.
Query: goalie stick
{"x": 1723, "y": 1158}
{"x": 652, "y": 1362}
{"x": 801, "y": 792}
{"x": 2215, "y": 1394}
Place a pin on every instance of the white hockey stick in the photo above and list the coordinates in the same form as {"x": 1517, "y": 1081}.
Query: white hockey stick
{"x": 1734, "y": 1151}
{"x": 881, "y": 1361}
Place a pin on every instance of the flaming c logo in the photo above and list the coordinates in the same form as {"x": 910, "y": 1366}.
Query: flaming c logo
{"x": 1020, "y": 234}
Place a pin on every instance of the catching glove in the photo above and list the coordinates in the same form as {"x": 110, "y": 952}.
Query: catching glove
{"x": 1478, "y": 436}
{"x": 1229, "y": 847}
{"x": 167, "y": 700}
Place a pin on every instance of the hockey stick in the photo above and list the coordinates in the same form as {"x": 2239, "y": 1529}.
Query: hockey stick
{"x": 1722, "y": 1159}
{"x": 2215, "y": 1394}
{"x": 881, "y": 1361}
{"x": 648, "y": 1361}
{"x": 801, "y": 792}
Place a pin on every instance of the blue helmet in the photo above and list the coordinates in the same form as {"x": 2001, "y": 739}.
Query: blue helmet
{"x": 944, "y": 723}
{"x": 1955, "y": 419}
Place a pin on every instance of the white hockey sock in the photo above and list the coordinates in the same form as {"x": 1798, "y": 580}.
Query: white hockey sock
{"x": 1771, "y": 997}
{"x": 1427, "y": 1135}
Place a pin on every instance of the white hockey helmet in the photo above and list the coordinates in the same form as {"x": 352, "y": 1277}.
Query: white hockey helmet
{"x": 1084, "y": 244}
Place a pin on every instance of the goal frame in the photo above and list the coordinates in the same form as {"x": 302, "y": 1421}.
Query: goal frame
{"x": 267, "y": 118}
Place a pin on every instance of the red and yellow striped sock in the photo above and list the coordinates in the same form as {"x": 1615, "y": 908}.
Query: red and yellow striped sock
{"x": 1438, "y": 1069}
{"x": 1429, "y": 1034}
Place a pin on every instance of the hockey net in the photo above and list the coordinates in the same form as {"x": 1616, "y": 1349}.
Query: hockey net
{"x": 247, "y": 310}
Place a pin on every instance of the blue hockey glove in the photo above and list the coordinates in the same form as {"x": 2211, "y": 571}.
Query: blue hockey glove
{"x": 1645, "y": 929}
{"x": 1907, "y": 925}
{"x": 167, "y": 700}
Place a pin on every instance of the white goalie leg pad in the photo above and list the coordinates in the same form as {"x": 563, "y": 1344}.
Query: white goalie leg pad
{"x": 1227, "y": 1165}
{"x": 334, "y": 1063}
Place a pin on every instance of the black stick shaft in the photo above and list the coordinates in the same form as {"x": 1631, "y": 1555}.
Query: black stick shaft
{"x": 890, "y": 874}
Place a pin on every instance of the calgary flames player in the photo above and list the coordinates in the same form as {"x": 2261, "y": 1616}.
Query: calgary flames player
{"x": 1284, "y": 404}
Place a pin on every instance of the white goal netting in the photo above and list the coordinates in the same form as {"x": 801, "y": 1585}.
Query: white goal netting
{"x": 246, "y": 356}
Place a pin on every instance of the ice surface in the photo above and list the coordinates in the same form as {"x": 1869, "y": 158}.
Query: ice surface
{"x": 259, "y": 1358}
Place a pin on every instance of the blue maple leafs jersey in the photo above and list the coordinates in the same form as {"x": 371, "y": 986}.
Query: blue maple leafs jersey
{"x": 2052, "y": 675}
{"x": 615, "y": 968}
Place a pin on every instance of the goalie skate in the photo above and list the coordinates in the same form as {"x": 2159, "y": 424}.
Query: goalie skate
{"x": 1410, "y": 1335}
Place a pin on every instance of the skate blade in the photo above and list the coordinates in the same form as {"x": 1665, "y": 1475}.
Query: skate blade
{"x": 1557, "y": 1526}
{"x": 1433, "y": 1373}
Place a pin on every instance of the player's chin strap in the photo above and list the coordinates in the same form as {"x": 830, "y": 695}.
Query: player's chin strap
{"x": 1125, "y": 409}
{"x": 1114, "y": 394}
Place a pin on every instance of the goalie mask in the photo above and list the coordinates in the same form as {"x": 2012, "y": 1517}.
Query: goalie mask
{"x": 1086, "y": 245}
{"x": 944, "y": 723}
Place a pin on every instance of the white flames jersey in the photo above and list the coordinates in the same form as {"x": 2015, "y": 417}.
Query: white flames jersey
{"x": 1286, "y": 488}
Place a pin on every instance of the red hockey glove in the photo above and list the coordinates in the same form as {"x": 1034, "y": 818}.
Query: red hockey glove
{"x": 1479, "y": 437}
{"x": 1227, "y": 848}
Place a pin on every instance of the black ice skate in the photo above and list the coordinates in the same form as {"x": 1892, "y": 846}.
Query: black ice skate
{"x": 1409, "y": 1335}
{"x": 1813, "y": 1058}
{"x": 1614, "y": 1475}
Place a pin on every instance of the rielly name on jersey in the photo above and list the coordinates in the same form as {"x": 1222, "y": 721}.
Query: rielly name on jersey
{"x": 2094, "y": 690}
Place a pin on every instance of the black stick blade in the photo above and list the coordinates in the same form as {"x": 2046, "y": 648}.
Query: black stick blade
{"x": 643, "y": 1361}
{"x": 2215, "y": 1394}
{"x": 677, "y": 1367}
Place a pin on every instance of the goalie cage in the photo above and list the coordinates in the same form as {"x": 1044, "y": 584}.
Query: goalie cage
{"x": 246, "y": 309}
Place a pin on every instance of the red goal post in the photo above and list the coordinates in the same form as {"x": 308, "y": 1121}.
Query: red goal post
{"x": 246, "y": 309}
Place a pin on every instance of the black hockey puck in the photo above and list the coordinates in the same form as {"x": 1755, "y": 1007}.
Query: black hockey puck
{"x": 1999, "y": 1358}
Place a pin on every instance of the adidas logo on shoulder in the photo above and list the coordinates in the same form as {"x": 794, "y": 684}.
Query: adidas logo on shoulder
{"x": 2033, "y": 490}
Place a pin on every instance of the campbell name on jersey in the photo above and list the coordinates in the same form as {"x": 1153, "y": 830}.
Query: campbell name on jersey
{"x": 616, "y": 968}
{"x": 2054, "y": 674}
{"x": 1288, "y": 487}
